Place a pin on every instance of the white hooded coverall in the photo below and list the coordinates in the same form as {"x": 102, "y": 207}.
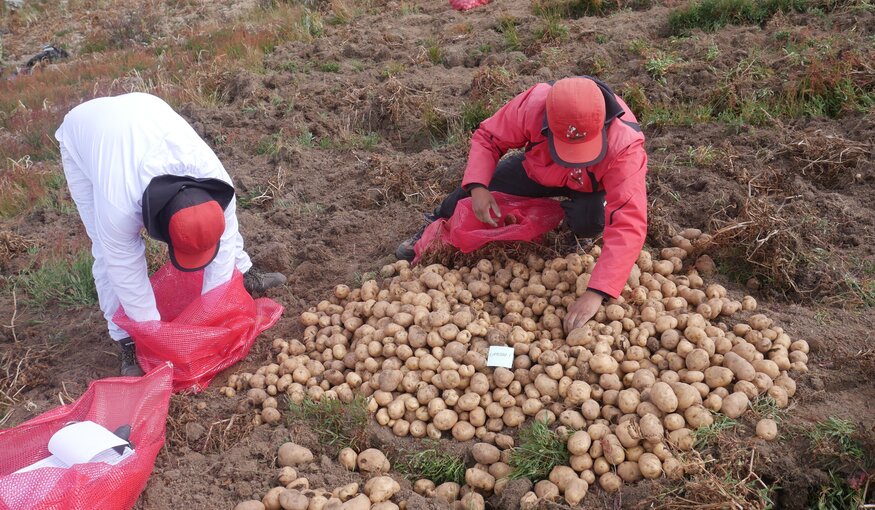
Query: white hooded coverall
{"x": 111, "y": 148}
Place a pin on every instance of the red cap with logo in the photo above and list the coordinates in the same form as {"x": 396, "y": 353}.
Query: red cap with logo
{"x": 194, "y": 225}
{"x": 576, "y": 121}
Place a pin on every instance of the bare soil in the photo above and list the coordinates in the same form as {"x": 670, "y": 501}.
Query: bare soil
{"x": 334, "y": 204}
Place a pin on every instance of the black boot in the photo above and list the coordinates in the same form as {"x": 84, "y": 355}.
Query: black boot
{"x": 130, "y": 366}
{"x": 256, "y": 282}
{"x": 405, "y": 250}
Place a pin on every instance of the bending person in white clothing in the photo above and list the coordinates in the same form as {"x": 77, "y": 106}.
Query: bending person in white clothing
{"x": 131, "y": 163}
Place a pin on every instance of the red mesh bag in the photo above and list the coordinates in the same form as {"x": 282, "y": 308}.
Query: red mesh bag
{"x": 522, "y": 219}
{"x": 464, "y": 5}
{"x": 139, "y": 402}
{"x": 200, "y": 334}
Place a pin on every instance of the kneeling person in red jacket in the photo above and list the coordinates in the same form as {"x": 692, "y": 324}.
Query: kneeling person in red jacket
{"x": 582, "y": 142}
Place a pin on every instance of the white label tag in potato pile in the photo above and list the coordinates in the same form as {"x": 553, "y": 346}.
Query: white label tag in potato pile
{"x": 500, "y": 356}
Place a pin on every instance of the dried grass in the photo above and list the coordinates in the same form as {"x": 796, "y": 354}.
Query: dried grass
{"x": 826, "y": 159}
{"x": 220, "y": 435}
{"x": 12, "y": 244}
{"x": 729, "y": 482}
{"x": 21, "y": 368}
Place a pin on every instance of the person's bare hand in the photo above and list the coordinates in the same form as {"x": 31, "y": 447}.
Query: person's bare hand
{"x": 582, "y": 310}
{"x": 484, "y": 206}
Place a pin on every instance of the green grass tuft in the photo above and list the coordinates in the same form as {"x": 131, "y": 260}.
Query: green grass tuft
{"x": 67, "y": 282}
{"x": 704, "y": 436}
{"x": 710, "y": 15}
{"x": 338, "y": 424}
{"x": 540, "y": 450}
{"x": 433, "y": 464}
{"x": 833, "y": 437}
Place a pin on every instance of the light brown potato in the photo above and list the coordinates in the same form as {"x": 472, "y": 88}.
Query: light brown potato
{"x": 579, "y": 443}
{"x": 610, "y": 482}
{"x": 740, "y": 367}
{"x": 250, "y": 505}
{"x": 575, "y": 491}
{"x": 447, "y": 491}
{"x": 381, "y": 488}
{"x": 291, "y": 454}
{"x": 663, "y": 397}
{"x": 735, "y": 405}
{"x": 373, "y": 461}
{"x": 547, "y": 490}
{"x": 650, "y": 466}
{"x": 562, "y": 476}
{"x": 485, "y": 453}
{"x": 291, "y": 499}
{"x": 347, "y": 458}
{"x": 479, "y": 479}
{"x": 271, "y": 500}
{"x": 767, "y": 429}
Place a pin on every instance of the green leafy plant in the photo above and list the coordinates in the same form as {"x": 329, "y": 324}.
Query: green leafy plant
{"x": 339, "y": 424}
{"x": 540, "y": 450}
{"x": 433, "y": 464}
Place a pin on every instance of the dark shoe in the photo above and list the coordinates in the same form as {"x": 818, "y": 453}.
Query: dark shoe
{"x": 256, "y": 282}
{"x": 405, "y": 250}
{"x": 130, "y": 367}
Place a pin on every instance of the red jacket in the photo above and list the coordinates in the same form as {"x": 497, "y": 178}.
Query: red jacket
{"x": 522, "y": 123}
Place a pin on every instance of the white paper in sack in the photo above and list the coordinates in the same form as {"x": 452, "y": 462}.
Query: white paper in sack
{"x": 500, "y": 356}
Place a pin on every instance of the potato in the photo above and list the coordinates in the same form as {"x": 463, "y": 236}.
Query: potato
{"x": 735, "y": 405}
{"x": 663, "y": 397}
{"x": 291, "y": 454}
{"x": 472, "y": 501}
{"x": 360, "y": 502}
{"x": 271, "y": 500}
{"x": 578, "y": 393}
{"x": 547, "y": 490}
{"x": 767, "y": 429}
{"x": 447, "y": 491}
{"x": 673, "y": 468}
{"x": 485, "y": 453}
{"x": 381, "y": 488}
{"x": 603, "y": 364}
{"x": 629, "y": 472}
{"x": 579, "y": 443}
{"x": 373, "y": 461}
{"x": 424, "y": 487}
{"x": 716, "y": 377}
{"x": 347, "y": 458}
{"x": 697, "y": 417}
{"x": 479, "y": 479}
{"x": 562, "y": 476}
{"x": 650, "y": 466}
{"x": 610, "y": 482}
{"x": 291, "y": 499}
{"x": 650, "y": 428}
{"x": 740, "y": 367}
{"x": 250, "y": 505}
{"x": 575, "y": 491}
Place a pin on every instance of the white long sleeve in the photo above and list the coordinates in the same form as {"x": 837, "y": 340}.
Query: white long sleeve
{"x": 114, "y": 147}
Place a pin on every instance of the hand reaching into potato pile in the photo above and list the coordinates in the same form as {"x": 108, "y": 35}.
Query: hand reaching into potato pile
{"x": 582, "y": 310}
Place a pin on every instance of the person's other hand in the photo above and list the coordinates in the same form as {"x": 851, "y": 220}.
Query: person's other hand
{"x": 484, "y": 205}
{"x": 582, "y": 310}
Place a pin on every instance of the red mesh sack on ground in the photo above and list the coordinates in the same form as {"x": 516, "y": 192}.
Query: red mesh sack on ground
{"x": 464, "y": 5}
{"x": 139, "y": 402}
{"x": 522, "y": 219}
{"x": 200, "y": 334}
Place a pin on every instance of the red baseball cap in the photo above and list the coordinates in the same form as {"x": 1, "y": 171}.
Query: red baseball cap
{"x": 576, "y": 122}
{"x": 194, "y": 223}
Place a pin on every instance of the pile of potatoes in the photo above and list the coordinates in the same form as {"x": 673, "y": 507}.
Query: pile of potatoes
{"x": 294, "y": 492}
{"x": 627, "y": 388}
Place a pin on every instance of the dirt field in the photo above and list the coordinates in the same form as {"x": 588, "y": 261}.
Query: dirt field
{"x": 342, "y": 122}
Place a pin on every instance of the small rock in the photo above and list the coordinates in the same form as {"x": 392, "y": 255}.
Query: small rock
{"x": 816, "y": 383}
{"x": 194, "y": 431}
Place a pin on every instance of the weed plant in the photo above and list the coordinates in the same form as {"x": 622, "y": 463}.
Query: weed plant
{"x": 338, "y": 424}
{"x": 540, "y": 450}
